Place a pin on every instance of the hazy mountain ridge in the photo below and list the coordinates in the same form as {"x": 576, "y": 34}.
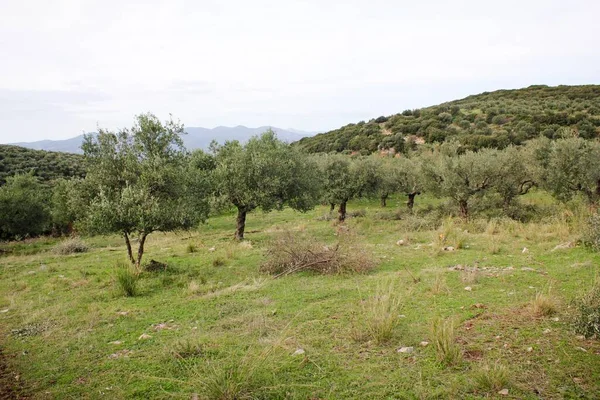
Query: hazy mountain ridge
{"x": 196, "y": 138}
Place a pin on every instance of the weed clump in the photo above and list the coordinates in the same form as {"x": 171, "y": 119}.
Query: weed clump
{"x": 444, "y": 337}
{"x": 127, "y": 280}
{"x": 586, "y": 318}
{"x": 218, "y": 262}
{"x": 543, "y": 305}
{"x": 492, "y": 378}
{"x": 185, "y": 349}
{"x": 155, "y": 266}
{"x": 591, "y": 234}
{"x": 191, "y": 248}
{"x": 380, "y": 315}
{"x": 70, "y": 246}
{"x": 291, "y": 252}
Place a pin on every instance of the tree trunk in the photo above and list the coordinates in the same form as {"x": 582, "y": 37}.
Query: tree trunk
{"x": 241, "y": 223}
{"x": 129, "y": 251}
{"x": 140, "y": 252}
{"x": 384, "y": 200}
{"x": 342, "y": 211}
{"x": 331, "y": 207}
{"x": 464, "y": 209}
{"x": 411, "y": 200}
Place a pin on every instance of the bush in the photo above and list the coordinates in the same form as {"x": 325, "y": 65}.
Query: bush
{"x": 586, "y": 318}
{"x": 70, "y": 246}
{"x": 591, "y": 235}
{"x": 23, "y": 208}
{"x": 293, "y": 252}
{"x": 127, "y": 280}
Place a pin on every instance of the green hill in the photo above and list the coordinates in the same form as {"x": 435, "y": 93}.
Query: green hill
{"x": 489, "y": 119}
{"x": 48, "y": 165}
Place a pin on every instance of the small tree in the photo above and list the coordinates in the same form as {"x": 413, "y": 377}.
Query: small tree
{"x": 513, "y": 175}
{"x": 410, "y": 179}
{"x": 265, "y": 173}
{"x": 573, "y": 166}
{"x": 347, "y": 178}
{"x": 23, "y": 207}
{"x": 138, "y": 181}
{"x": 460, "y": 177}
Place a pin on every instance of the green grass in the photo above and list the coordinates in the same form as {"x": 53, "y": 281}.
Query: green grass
{"x": 225, "y": 330}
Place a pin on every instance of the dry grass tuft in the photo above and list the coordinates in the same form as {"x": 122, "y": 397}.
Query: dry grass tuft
{"x": 492, "y": 378}
{"x": 439, "y": 285}
{"x": 291, "y": 252}
{"x": 70, "y": 246}
{"x": 543, "y": 305}
{"x": 444, "y": 338}
{"x": 380, "y": 315}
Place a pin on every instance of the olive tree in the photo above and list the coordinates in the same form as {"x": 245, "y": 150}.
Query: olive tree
{"x": 139, "y": 181}
{"x": 574, "y": 167}
{"x": 347, "y": 178}
{"x": 265, "y": 173}
{"x": 460, "y": 177}
{"x": 410, "y": 179}
{"x": 23, "y": 207}
{"x": 398, "y": 175}
{"x": 514, "y": 175}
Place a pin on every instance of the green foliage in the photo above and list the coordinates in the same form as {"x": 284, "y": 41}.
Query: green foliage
{"x": 346, "y": 178}
{"x": 265, "y": 173}
{"x": 23, "y": 207}
{"x": 492, "y": 119}
{"x": 46, "y": 165}
{"x": 140, "y": 181}
{"x": 573, "y": 166}
{"x": 460, "y": 177}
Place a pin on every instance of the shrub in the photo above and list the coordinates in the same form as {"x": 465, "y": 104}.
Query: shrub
{"x": 70, "y": 246}
{"x": 444, "y": 337}
{"x": 127, "y": 280}
{"x": 291, "y": 252}
{"x": 586, "y": 318}
{"x": 591, "y": 235}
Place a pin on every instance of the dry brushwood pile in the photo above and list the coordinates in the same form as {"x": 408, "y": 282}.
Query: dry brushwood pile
{"x": 292, "y": 252}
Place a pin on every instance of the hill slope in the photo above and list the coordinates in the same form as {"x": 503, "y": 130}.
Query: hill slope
{"x": 196, "y": 138}
{"x": 490, "y": 119}
{"x": 47, "y": 165}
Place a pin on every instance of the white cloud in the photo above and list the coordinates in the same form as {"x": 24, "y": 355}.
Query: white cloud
{"x": 69, "y": 65}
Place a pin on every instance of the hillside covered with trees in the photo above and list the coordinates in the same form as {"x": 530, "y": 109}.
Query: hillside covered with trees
{"x": 47, "y": 165}
{"x": 487, "y": 120}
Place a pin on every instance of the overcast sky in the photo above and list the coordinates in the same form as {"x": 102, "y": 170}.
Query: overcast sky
{"x": 68, "y": 66}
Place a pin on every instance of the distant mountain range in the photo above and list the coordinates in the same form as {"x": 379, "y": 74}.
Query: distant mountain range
{"x": 196, "y": 138}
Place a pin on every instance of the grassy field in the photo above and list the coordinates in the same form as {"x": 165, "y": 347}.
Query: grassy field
{"x": 487, "y": 318}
